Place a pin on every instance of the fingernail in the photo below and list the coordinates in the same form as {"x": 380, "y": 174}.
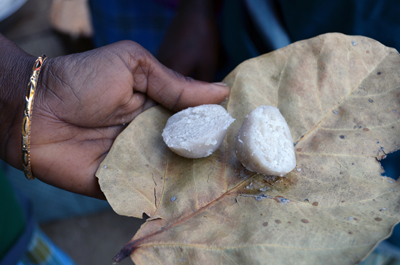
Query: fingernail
{"x": 220, "y": 84}
{"x": 225, "y": 100}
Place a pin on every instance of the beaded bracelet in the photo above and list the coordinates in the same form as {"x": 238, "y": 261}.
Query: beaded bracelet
{"x": 26, "y": 121}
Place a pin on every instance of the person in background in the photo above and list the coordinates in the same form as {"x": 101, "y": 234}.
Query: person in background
{"x": 207, "y": 38}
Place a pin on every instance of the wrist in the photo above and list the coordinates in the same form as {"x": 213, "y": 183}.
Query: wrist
{"x": 15, "y": 70}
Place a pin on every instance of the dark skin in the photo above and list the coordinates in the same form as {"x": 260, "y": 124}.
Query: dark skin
{"x": 81, "y": 105}
{"x": 191, "y": 45}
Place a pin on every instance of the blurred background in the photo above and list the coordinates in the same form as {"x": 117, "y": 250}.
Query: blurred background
{"x": 87, "y": 229}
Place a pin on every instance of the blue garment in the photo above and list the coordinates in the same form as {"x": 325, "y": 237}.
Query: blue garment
{"x": 250, "y": 28}
{"x": 145, "y": 22}
{"x": 376, "y": 19}
{"x": 66, "y": 205}
{"x": 261, "y": 26}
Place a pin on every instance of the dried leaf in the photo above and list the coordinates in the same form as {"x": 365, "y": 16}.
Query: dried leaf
{"x": 340, "y": 96}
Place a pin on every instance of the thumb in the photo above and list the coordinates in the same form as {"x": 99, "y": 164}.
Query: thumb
{"x": 177, "y": 92}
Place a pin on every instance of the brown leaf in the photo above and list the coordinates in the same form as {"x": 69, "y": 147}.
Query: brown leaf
{"x": 212, "y": 211}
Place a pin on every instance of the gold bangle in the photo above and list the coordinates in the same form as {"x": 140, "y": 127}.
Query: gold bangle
{"x": 26, "y": 121}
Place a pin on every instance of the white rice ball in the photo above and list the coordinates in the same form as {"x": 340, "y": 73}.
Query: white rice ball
{"x": 197, "y": 132}
{"x": 264, "y": 144}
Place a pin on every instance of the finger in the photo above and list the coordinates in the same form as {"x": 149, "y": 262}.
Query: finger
{"x": 138, "y": 103}
{"x": 148, "y": 103}
{"x": 166, "y": 86}
{"x": 177, "y": 92}
{"x": 170, "y": 88}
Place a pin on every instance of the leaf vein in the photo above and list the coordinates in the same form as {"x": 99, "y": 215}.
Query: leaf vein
{"x": 344, "y": 98}
{"x": 210, "y": 247}
{"x": 266, "y": 252}
{"x": 316, "y": 78}
{"x": 164, "y": 184}
{"x": 137, "y": 190}
{"x": 223, "y": 253}
{"x": 362, "y": 201}
{"x": 195, "y": 186}
{"x": 148, "y": 162}
{"x": 326, "y": 154}
{"x": 374, "y": 95}
{"x": 280, "y": 78}
{"x": 149, "y": 256}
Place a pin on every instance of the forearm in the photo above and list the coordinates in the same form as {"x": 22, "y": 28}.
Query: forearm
{"x": 15, "y": 70}
{"x": 191, "y": 44}
{"x": 207, "y": 8}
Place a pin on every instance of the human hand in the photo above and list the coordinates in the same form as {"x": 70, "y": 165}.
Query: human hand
{"x": 191, "y": 45}
{"x": 83, "y": 101}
